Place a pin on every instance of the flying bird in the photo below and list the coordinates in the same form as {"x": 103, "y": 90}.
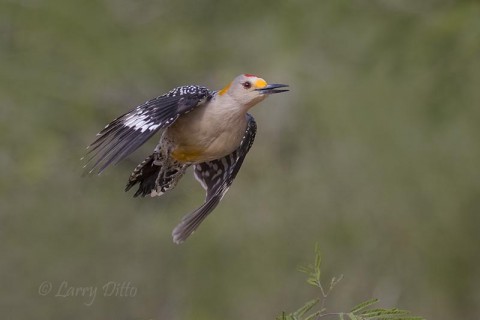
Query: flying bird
{"x": 209, "y": 130}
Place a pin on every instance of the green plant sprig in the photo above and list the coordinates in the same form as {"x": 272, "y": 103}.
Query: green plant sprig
{"x": 365, "y": 310}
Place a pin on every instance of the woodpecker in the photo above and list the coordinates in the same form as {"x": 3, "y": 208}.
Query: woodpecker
{"x": 209, "y": 130}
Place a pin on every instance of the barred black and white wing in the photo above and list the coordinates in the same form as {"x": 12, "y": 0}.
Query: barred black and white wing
{"x": 129, "y": 131}
{"x": 216, "y": 177}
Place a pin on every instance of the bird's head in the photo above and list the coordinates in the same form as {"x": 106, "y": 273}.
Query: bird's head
{"x": 250, "y": 90}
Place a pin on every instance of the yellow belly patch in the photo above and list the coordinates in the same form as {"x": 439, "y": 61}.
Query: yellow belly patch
{"x": 186, "y": 155}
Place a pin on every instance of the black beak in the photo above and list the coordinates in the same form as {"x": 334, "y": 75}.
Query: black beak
{"x": 273, "y": 88}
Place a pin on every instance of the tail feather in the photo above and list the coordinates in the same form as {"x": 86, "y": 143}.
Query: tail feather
{"x": 145, "y": 174}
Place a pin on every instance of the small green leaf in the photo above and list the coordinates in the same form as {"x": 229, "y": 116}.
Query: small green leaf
{"x": 335, "y": 281}
{"x": 313, "y": 282}
{"x": 318, "y": 258}
{"x": 306, "y": 307}
{"x": 353, "y": 316}
{"x": 396, "y": 318}
{"x": 314, "y": 315}
{"x": 363, "y": 305}
{"x": 304, "y": 269}
{"x": 374, "y": 313}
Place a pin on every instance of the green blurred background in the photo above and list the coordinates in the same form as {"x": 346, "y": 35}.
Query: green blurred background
{"x": 374, "y": 153}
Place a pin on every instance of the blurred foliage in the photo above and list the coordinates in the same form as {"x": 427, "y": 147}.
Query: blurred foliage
{"x": 361, "y": 311}
{"x": 374, "y": 153}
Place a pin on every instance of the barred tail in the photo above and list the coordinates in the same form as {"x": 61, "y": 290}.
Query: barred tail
{"x": 155, "y": 175}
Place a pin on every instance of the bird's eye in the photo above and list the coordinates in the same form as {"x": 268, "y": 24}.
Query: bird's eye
{"x": 247, "y": 84}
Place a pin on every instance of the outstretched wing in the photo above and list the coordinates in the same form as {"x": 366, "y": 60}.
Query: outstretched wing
{"x": 129, "y": 131}
{"x": 216, "y": 177}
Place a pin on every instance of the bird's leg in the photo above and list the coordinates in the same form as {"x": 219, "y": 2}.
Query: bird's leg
{"x": 161, "y": 159}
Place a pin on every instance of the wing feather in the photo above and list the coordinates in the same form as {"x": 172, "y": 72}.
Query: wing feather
{"x": 128, "y": 132}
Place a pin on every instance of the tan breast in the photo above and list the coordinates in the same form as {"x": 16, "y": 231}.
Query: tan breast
{"x": 206, "y": 133}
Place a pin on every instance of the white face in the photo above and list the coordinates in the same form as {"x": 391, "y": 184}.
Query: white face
{"x": 244, "y": 89}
